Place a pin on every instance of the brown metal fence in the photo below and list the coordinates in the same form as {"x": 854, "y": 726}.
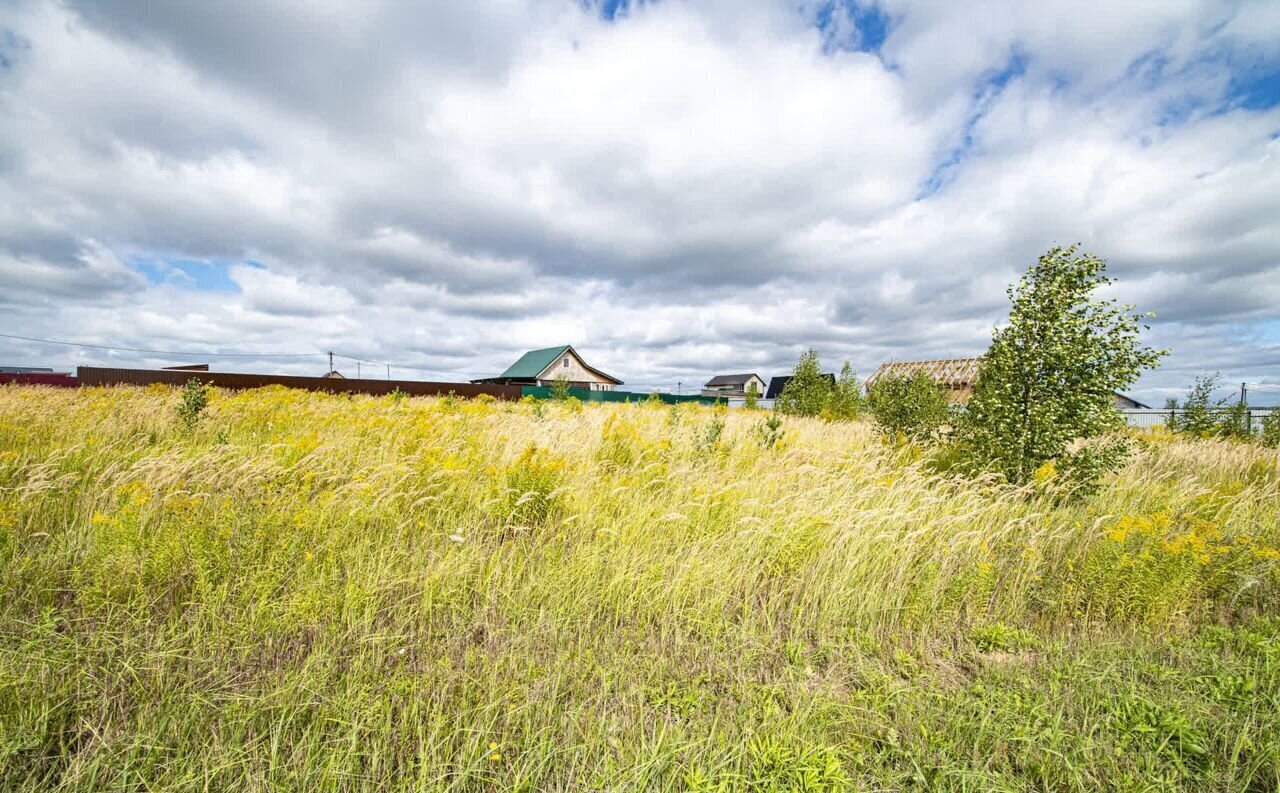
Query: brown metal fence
{"x": 39, "y": 378}
{"x": 103, "y": 376}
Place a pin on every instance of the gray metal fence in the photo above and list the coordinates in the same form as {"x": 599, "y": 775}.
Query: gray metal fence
{"x": 1151, "y": 417}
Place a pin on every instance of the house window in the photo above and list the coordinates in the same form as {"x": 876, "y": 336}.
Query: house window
{"x": 565, "y": 361}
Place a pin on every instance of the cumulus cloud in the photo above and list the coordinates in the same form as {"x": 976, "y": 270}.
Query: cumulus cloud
{"x": 677, "y": 188}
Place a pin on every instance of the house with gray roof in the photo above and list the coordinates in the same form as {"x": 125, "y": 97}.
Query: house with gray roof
{"x": 733, "y": 385}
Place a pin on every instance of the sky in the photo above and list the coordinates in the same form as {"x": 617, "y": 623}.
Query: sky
{"x": 678, "y": 189}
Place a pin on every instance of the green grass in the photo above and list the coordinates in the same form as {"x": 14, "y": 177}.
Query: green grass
{"x": 310, "y": 592}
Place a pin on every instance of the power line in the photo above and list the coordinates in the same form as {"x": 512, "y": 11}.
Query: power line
{"x": 206, "y": 354}
{"x": 175, "y": 353}
{"x": 395, "y": 365}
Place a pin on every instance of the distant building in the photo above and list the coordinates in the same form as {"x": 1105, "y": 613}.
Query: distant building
{"x": 734, "y": 385}
{"x": 333, "y": 374}
{"x": 25, "y": 370}
{"x": 545, "y": 366}
{"x": 959, "y": 376}
{"x": 956, "y": 375}
{"x": 1125, "y": 402}
{"x": 780, "y": 382}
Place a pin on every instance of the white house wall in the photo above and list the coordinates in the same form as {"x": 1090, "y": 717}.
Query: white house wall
{"x": 575, "y": 371}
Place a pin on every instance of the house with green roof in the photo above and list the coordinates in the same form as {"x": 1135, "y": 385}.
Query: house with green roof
{"x": 544, "y": 367}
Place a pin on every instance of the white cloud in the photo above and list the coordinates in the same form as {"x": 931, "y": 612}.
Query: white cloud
{"x": 692, "y": 188}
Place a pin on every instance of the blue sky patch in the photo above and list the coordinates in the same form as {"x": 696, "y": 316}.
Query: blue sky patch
{"x": 1258, "y": 88}
{"x": 869, "y": 26}
{"x": 611, "y": 10}
{"x": 987, "y": 90}
{"x": 201, "y": 275}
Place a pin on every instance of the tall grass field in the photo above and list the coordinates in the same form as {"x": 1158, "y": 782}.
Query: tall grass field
{"x": 308, "y": 592}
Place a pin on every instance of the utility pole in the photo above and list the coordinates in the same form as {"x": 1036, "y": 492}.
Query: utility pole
{"x": 1248, "y": 415}
{"x": 357, "y": 370}
{"x": 330, "y": 360}
{"x": 388, "y": 372}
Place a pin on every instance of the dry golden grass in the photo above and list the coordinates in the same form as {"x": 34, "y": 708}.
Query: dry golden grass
{"x": 320, "y": 592}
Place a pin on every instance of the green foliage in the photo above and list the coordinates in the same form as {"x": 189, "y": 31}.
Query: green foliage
{"x": 1049, "y": 376}
{"x": 1196, "y": 415}
{"x": 711, "y": 433}
{"x": 1271, "y": 429}
{"x": 560, "y": 387}
{"x": 753, "y": 396}
{"x": 192, "y": 401}
{"x": 846, "y": 401}
{"x": 1081, "y": 469}
{"x": 999, "y": 637}
{"x": 529, "y": 497}
{"x": 807, "y": 392}
{"x": 913, "y": 407}
{"x": 769, "y": 431}
{"x": 1234, "y": 422}
{"x": 1202, "y": 416}
{"x": 778, "y": 767}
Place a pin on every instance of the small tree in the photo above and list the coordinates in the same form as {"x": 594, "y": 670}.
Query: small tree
{"x": 192, "y": 402}
{"x": 753, "y": 396}
{"x": 846, "y": 398}
{"x": 1050, "y": 375}
{"x": 560, "y": 387}
{"x": 1195, "y": 416}
{"x": 912, "y": 407}
{"x": 807, "y": 392}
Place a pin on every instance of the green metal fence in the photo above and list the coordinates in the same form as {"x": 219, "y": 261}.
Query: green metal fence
{"x": 587, "y": 395}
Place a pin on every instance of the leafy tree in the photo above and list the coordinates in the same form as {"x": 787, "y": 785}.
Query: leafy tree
{"x": 1195, "y": 416}
{"x": 914, "y": 407}
{"x": 807, "y": 392}
{"x": 192, "y": 402}
{"x": 846, "y": 399}
{"x": 753, "y": 396}
{"x": 560, "y": 387}
{"x": 1049, "y": 376}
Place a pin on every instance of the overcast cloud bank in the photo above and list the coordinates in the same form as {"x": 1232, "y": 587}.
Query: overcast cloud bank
{"x": 678, "y": 189}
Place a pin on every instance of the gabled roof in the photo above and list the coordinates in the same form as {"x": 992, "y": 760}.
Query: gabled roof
{"x": 1138, "y": 404}
{"x": 950, "y": 372}
{"x": 531, "y": 364}
{"x": 535, "y": 362}
{"x": 780, "y": 382}
{"x": 732, "y": 379}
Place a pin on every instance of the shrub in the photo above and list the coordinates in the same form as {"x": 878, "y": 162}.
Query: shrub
{"x": 1271, "y": 428}
{"x": 711, "y": 433}
{"x": 753, "y": 396}
{"x": 529, "y": 497}
{"x": 1234, "y": 422}
{"x": 846, "y": 398}
{"x": 192, "y": 402}
{"x": 769, "y": 431}
{"x": 911, "y": 407}
{"x": 560, "y": 387}
{"x": 1195, "y": 415}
